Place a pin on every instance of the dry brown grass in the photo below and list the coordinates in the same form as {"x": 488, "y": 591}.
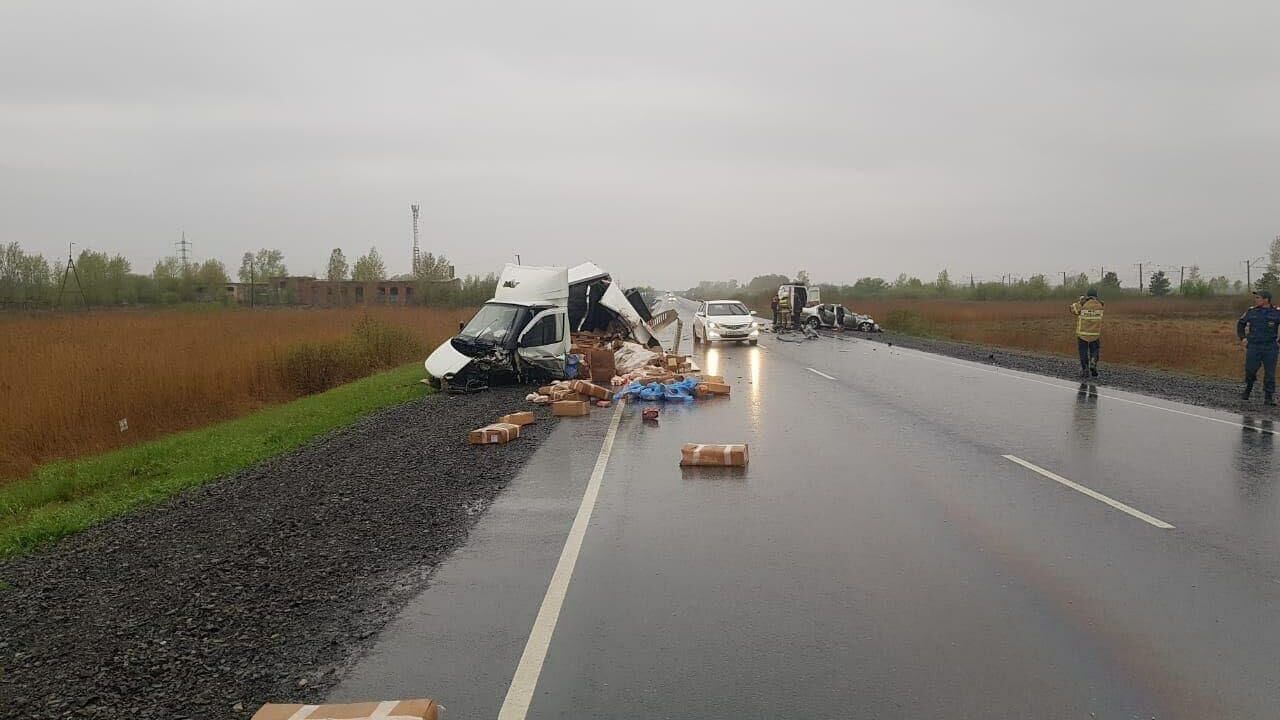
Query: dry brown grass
{"x": 67, "y": 379}
{"x": 1192, "y": 336}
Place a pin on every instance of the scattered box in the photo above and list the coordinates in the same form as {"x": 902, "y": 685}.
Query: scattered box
{"x": 517, "y": 418}
{"x": 693, "y": 454}
{"x": 419, "y": 709}
{"x": 602, "y": 364}
{"x": 547, "y": 389}
{"x": 713, "y": 379}
{"x": 564, "y": 392}
{"x": 570, "y": 408}
{"x": 591, "y": 390}
{"x": 495, "y": 434}
{"x": 711, "y": 388}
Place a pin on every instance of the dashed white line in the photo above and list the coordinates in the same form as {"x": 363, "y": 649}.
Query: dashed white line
{"x": 1091, "y": 493}
{"x": 820, "y": 373}
{"x": 525, "y": 680}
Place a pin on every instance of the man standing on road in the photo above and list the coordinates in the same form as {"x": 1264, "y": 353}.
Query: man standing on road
{"x": 773, "y": 305}
{"x": 1088, "y": 312}
{"x": 1257, "y": 329}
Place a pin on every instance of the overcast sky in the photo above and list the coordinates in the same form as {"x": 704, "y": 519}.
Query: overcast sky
{"x": 670, "y": 142}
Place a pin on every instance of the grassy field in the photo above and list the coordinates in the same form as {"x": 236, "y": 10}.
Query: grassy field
{"x": 64, "y": 497}
{"x": 67, "y": 380}
{"x": 1190, "y": 336}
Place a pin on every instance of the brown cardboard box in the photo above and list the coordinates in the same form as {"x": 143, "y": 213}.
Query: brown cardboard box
{"x": 582, "y": 387}
{"x": 419, "y": 709}
{"x": 602, "y": 365}
{"x": 523, "y": 417}
{"x": 693, "y": 454}
{"x": 562, "y": 392}
{"x": 570, "y": 408}
{"x": 547, "y": 389}
{"x": 713, "y": 388}
{"x": 497, "y": 433}
{"x": 712, "y": 379}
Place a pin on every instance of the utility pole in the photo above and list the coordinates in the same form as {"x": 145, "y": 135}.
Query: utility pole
{"x": 1064, "y": 278}
{"x": 971, "y": 284}
{"x": 517, "y": 258}
{"x": 184, "y": 253}
{"x": 417, "y": 262}
{"x": 1139, "y": 278}
{"x": 251, "y": 285}
{"x": 1248, "y": 272}
{"x": 1182, "y": 273}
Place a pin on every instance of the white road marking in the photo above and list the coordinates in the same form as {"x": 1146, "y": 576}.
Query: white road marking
{"x": 525, "y": 681}
{"x": 1076, "y": 388}
{"x": 818, "y": 372}
{"x": 1091, "y": 493}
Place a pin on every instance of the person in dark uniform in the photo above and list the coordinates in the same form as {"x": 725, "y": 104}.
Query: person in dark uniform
{"x": 773, "y": 305}
{"x": 1258, "y": 329}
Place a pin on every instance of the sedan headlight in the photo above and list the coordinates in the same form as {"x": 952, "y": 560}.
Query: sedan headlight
{"x": 711, "y": 325}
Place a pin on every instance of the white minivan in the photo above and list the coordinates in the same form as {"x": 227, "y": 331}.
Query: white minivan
{"x": 522, "y": 335}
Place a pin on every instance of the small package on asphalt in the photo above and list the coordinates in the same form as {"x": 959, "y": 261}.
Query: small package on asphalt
{"x": 419, "y": 709}
{"x": 591, "y": 390}
{"x": 495, "y": 434}
{"x": 696, "y": 455}
{"x": 712, "y": 388}
{"x": 523, "y": 417}
{"x": 650, "y": 414}
{"x": 570, "y": 408}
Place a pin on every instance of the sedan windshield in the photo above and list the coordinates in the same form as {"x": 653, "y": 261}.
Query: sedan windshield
{"x": 728, "y": 309}
{"x": 492, "y": 324}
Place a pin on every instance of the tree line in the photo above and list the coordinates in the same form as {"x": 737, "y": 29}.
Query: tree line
{"x": 99, "y": 279}
{"x": 1036, "y": 287}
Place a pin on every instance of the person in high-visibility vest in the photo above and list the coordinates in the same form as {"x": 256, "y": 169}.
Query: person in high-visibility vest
{"x": 1088, "y": 312}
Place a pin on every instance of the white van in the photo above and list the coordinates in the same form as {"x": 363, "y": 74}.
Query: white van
{"x": 522, "y": 335}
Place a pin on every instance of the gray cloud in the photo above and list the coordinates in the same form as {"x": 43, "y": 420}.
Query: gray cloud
{"x": 672, "y": 142}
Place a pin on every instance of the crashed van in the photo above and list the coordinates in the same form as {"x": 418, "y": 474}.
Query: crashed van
{"x": 523, "y": 334}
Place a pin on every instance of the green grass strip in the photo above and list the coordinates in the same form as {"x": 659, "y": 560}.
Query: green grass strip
{"x": 65, "y": 497}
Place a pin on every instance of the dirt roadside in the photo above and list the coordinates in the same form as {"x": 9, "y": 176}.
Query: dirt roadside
{"x": 1195, "y": 390}
{"x": 260, "y": 586}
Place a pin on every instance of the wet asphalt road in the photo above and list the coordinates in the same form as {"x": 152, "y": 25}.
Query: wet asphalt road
{"x": 880, "y": 557}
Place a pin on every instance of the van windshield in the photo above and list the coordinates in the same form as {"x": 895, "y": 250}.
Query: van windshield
{"x": 493, "y": 324}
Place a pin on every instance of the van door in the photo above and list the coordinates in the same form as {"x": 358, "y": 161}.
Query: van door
{"x": 543, "y": 345}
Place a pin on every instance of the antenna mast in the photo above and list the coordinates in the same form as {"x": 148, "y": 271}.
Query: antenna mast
{"x": 416, "y": 252}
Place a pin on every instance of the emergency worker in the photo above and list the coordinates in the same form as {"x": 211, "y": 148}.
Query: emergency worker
{"x": 1088, "y": 312}
{"x": 1257, "y": 329}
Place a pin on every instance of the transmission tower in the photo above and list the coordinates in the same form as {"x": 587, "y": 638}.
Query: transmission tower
{"x": 71, "y": 271}
{"x": 184, "y": 251}
{"x": 416, "y": 252}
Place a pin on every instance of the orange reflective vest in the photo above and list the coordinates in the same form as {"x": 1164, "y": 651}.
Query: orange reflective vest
{"x": 1088, "y": 314}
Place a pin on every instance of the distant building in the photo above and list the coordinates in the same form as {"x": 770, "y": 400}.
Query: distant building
{"x": 239, "y": 292}
{"x": 306, "y": 290}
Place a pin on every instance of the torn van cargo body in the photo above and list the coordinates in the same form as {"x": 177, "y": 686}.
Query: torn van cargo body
{"x": 523, "y": 334}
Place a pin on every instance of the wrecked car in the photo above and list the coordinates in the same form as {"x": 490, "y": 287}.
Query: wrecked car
{"x": 523, "y": 334}
{"x": 831, "y": 316}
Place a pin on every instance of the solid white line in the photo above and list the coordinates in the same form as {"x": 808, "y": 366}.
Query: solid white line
{"x": 525, "y": 681}
{"x": 817, "y": 372}
{"x": 1091, "y": 493}
{"x": 923, "y": 355}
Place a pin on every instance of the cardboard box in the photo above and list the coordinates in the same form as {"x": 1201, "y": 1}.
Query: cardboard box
{"x": 563, "y": 392}
{"x": 547, "y": 389}
{"x": 696, "y": 455}
{"x": 523, "y": 417}
{"x": 570, "y": 408}
{"x": 710, "y": 388}
{"x": 419, "y": 709}
{"x": 495, "y": 434}
{"x": 603, "y": 368}
{"x": 591, "y": 390}
{"x": 712, "y": 379}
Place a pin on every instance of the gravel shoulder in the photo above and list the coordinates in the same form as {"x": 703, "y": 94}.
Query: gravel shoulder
{"x": 1207, "y": 392}
{"x": 260, "y": 586}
